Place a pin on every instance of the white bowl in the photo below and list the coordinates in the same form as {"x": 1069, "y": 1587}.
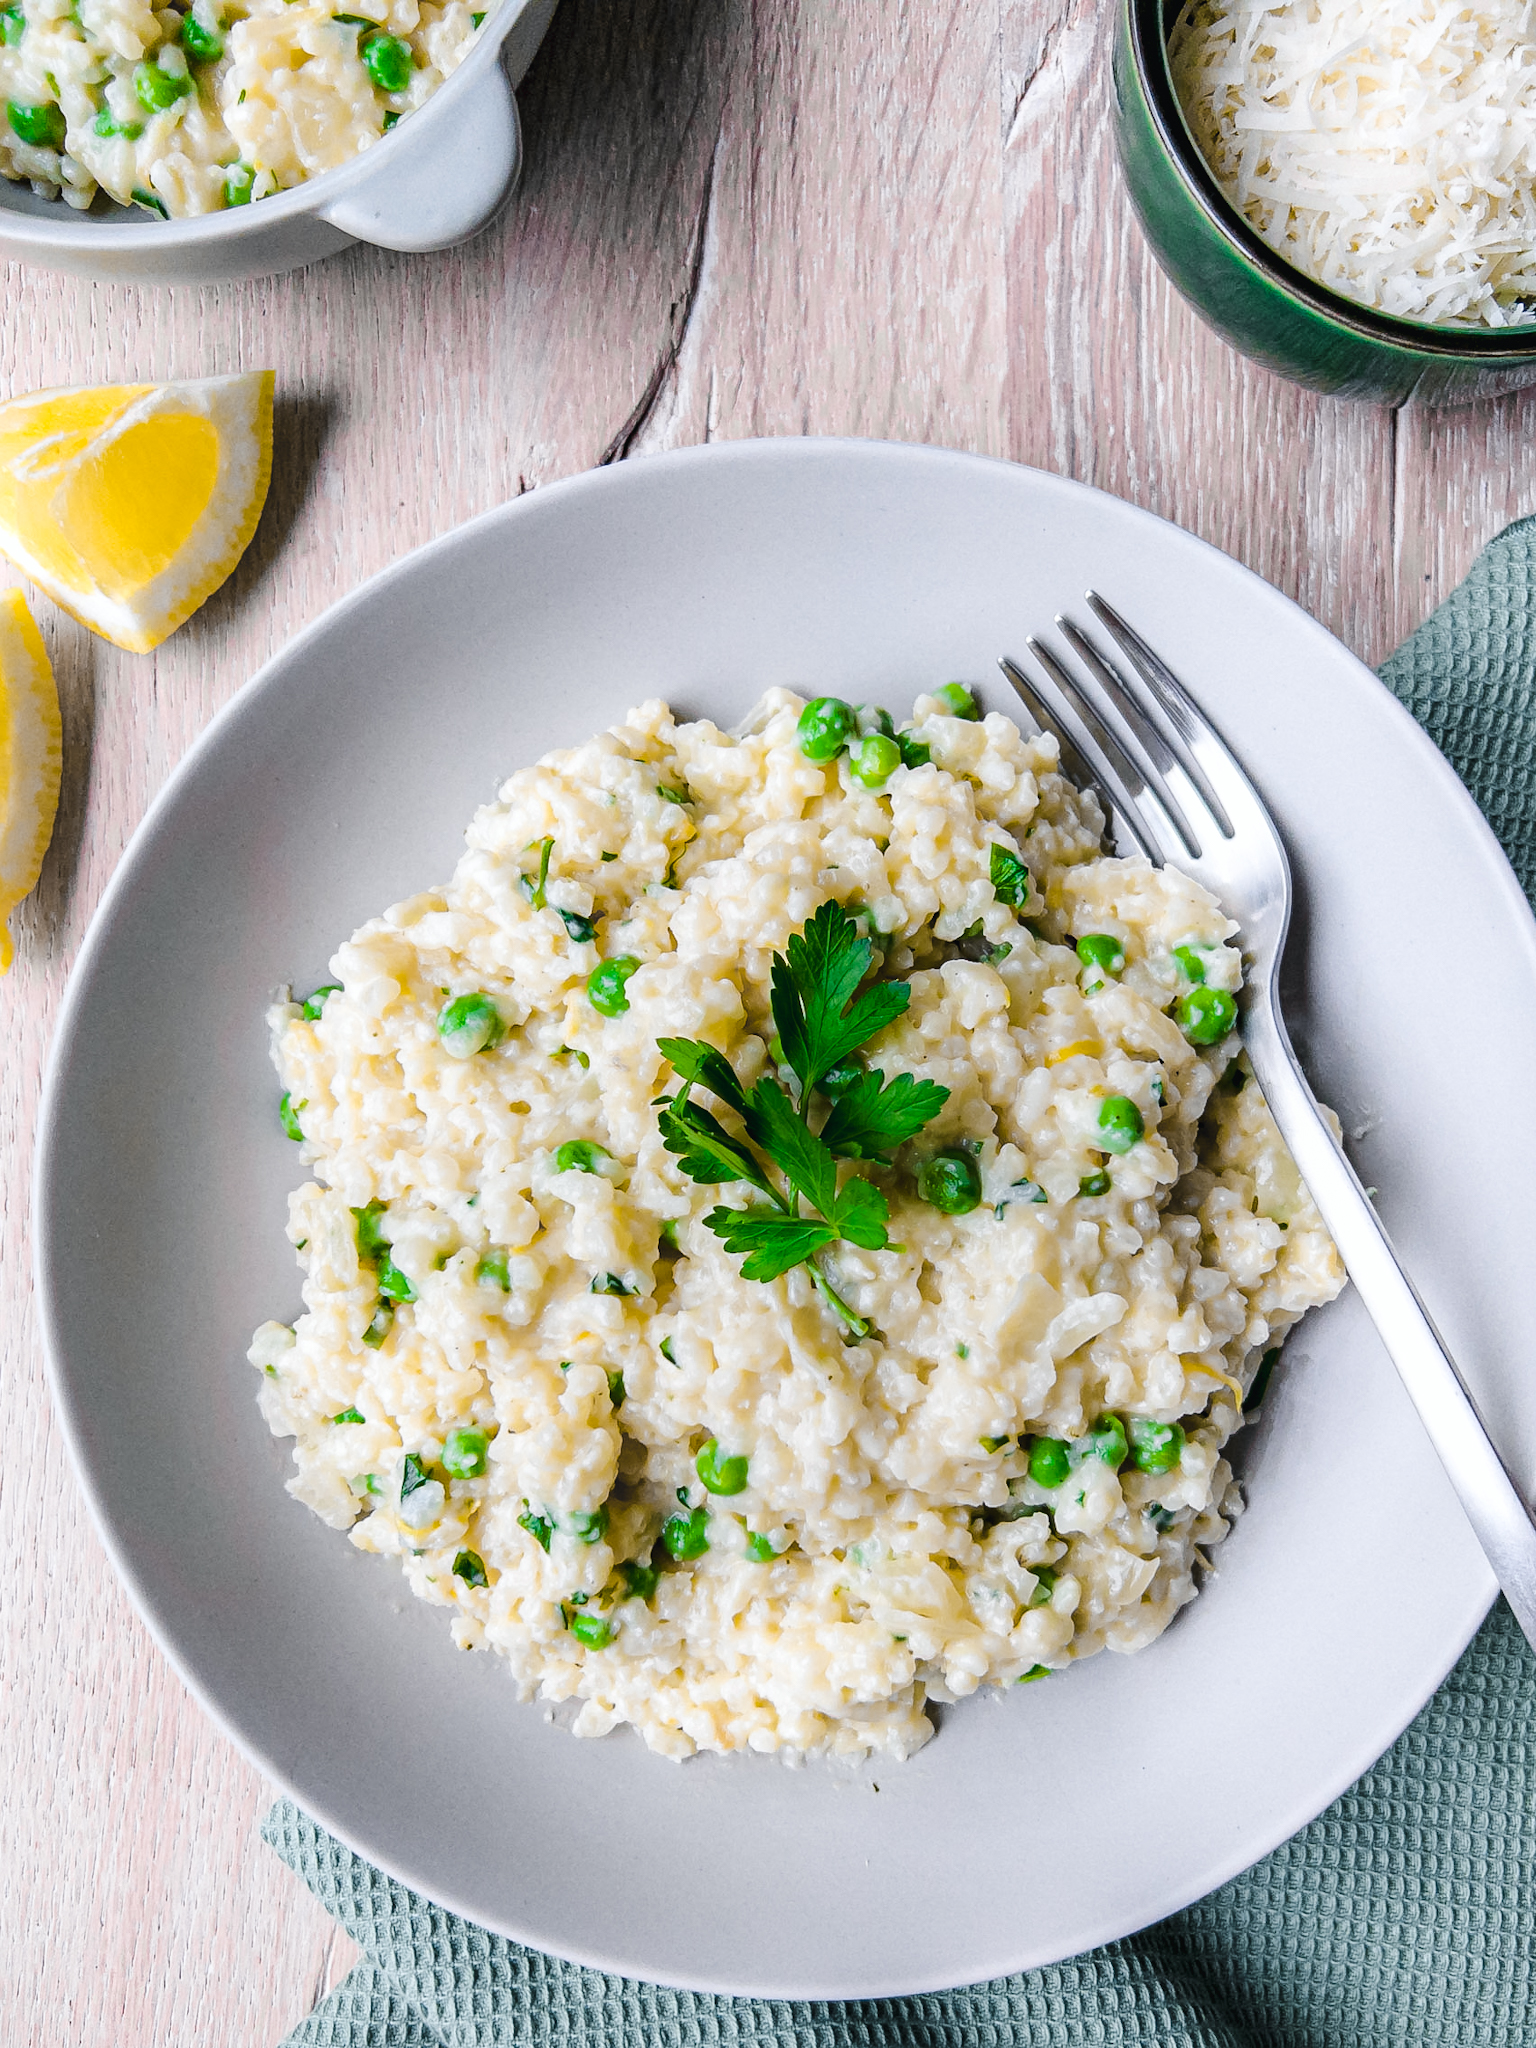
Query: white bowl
{"x": 438, "y": 178}
{"x": 1042, "y": 1820}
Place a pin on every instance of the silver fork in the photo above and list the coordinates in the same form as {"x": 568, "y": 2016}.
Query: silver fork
{"x": 1175, "y": 789}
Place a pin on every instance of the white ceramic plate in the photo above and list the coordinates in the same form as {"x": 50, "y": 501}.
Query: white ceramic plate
{"x": 1036, "y": 1824}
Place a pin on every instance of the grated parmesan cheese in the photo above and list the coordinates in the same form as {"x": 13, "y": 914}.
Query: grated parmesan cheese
{"x": 1386, "y": 148}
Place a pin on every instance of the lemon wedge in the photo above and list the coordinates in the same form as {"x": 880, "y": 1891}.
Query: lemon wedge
{"x": 130, "y": 503}
{"x": 30, "y": 754}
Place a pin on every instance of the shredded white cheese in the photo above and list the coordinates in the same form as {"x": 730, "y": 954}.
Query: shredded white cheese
{"x": 1387, "y": 148}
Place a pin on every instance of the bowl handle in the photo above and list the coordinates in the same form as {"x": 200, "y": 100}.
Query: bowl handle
{"x": 440, "y": 187}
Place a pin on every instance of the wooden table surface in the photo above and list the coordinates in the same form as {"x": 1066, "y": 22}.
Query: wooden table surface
{"x": 738, "y": 217}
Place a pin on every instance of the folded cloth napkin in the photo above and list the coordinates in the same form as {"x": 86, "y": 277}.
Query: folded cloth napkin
{"x": 1404, "y": 1916}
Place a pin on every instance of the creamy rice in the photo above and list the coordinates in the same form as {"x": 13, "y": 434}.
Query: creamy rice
{"x": 189, "y": 110}
{"x": 889, "y": 1545}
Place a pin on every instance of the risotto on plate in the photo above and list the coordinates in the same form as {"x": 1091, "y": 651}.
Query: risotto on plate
{"x": 790, "y": 1229}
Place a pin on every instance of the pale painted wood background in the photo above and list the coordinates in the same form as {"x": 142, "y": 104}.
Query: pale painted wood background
{"x": 739, "y": 217}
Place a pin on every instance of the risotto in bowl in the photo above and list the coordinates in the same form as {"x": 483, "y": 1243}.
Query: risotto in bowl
{"x": 790, "y": 1230}
{"x": 196, "y": 143}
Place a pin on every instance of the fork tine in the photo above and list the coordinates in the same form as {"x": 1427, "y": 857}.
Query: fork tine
{"x": 1147, "y": 798}
{"x": 1076, "y": 762}
{"x": 1073, "y": 764}
{"x": 1142, "y": 740}
{"x": 1184, "y": 723}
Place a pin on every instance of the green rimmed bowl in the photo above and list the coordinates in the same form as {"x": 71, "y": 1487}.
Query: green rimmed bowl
{"x": 1254, "y": 298}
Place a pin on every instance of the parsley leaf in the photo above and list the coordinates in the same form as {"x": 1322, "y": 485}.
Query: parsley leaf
{"x": 860, "y": 1213}
{"x": 772, "y": 1241}
{"x": 1009, "y": 876}
{"x": 707, "y": 1152}
{"x": 793, "y": 1147}
{"x": 819, "y": 1016}
{"x": 702, "y": 1065}
{"x": 822, "y": 1017}
{"x": 872, "y": 1115}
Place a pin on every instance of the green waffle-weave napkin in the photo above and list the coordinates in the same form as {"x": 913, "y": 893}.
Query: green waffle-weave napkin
{"x": 1404, "y": 1916}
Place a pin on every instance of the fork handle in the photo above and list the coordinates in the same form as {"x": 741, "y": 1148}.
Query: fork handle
{"x": 1499, "y": 1516}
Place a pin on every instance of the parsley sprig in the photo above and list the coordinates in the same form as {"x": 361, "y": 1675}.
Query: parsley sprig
{"x": 823, "y": 1016}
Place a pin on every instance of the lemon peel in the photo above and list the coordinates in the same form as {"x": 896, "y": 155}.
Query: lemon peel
{"x": 31, "y": 753}
{"x": 131, "y": 503}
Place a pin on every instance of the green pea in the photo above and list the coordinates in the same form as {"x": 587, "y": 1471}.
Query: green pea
{"x": 958, "y": 701}
{"x": 1009, "y": 875}
{"x": 1049, "y": 1461}
{"x": 580, "y": 1155}
{"x": 915, "y": 753}
{"x": 314, "y": 1004}
{"x": 687, "y": 1536}
{"x": 1093, "y": 1184}
{"x": 581, "y": 929}
{"x": 289, "y": 1116}
{"x": 640, "y": 1580}
{"x": 387, "y": 61}
{"x": 836, "y": 1081}
{"x": 1155, "y": 1446}
{"x": 201, "y": 43}
{"x": 371, "y": 1242}
{"x": 539, "y": 1527}
{"x": 107, "y": 124}
{"x": 1035, "y": 1671}
{"x": 951, "y": 1182}
{"x": 379, "y": 1328}
{"x": 156, "y": 90}
{"x": 874, "y": 760}
{"x": 720, "y": 1473}
{"x": 492, "y": 1267}
{"x": 13, "y": 26}
{"x": 826, "y": 724}
{"x": 870, "y": 718}
{"x": 590, "y": 1629}
{"x": 1205, "y": 1015}
{"x": 1120, "y": 1124}
{"x": 464, "y": 1453}
{"x": 616, "y": 1390}
{"x": 468, "y": 1025}
{"x": 1191, "y": 962}
{"x": 760, "y": 1549}
{"x": 394, "y": 1283}
{"x": 1102, "y": 950}
{"x": 350, "y": 1415}
{"x": 605, "y": 985}
{"x": 1045, "y": 1586}
{"x": 42, "y": 126}
{"x": 608, "y": 1283}
{"x": 1106, "y": 1441}
{"x": 470, "y": 1567}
